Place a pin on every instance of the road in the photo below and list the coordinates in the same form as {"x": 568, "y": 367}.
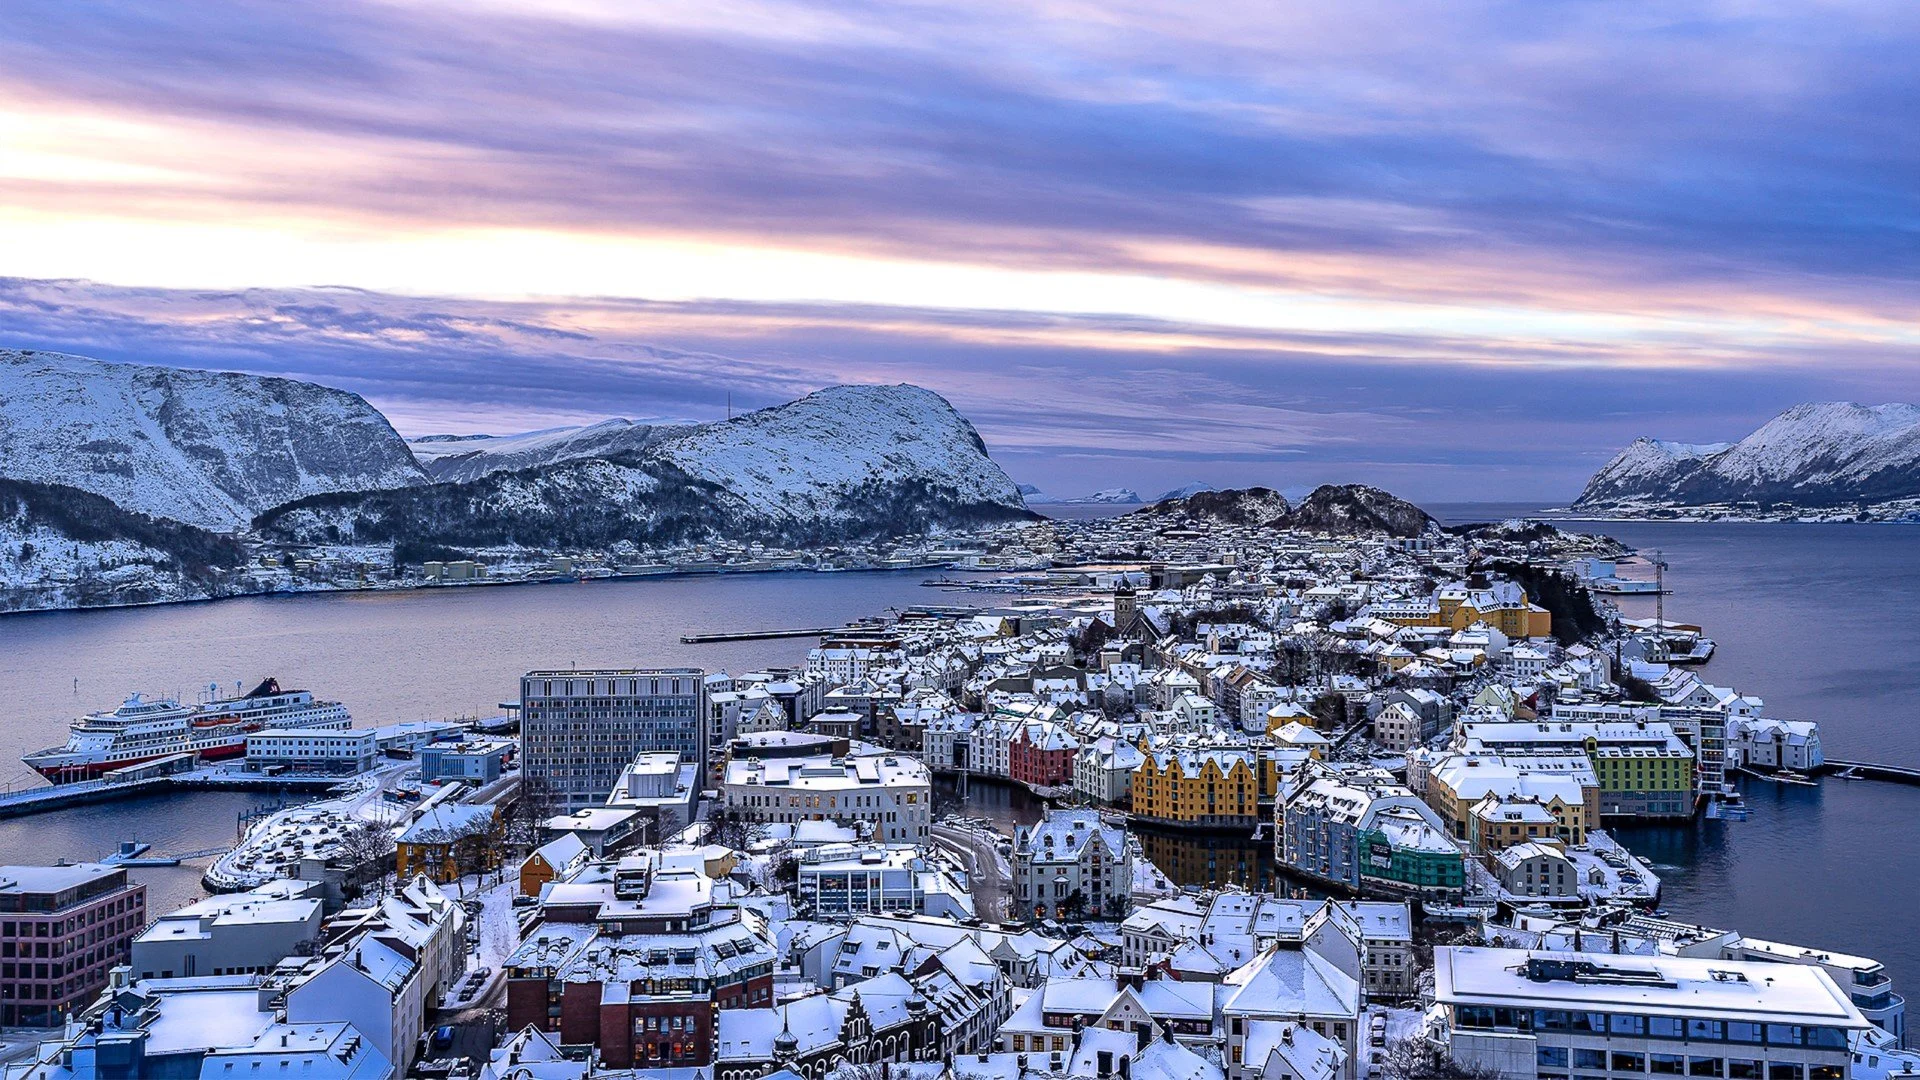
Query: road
{"x": 976, "y": 851}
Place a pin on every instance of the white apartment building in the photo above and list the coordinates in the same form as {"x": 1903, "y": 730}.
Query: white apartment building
{"x": 1554, "y": 1016}
{"x": 312, "y": 750}
{"x": 893, "y": 793}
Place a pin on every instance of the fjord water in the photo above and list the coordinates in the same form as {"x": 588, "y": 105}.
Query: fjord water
{"x": 423, "y": 655}
{"x": 1817, "y": 619}
{"x": 1820, "y": 622}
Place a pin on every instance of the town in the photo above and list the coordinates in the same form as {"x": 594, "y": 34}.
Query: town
{"x": 1165, "y": 796}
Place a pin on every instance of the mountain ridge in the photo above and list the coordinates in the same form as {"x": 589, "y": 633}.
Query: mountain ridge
{"x": 207, "y": 448}
{"x": 1814, "y": 455}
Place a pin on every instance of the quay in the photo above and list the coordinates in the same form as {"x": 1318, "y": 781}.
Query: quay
{"x": 1869, "y": 770}
{"x": 40, "y": 800}
{"x": 757, "y": 635}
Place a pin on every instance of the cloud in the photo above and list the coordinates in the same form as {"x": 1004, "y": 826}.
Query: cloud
{"x": 1068, "y": 402}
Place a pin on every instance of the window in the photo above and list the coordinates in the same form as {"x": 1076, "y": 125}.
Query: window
{"x": 1667, "y": 1064}
{"x": 1666, "y": 1027}
{"x": 1742, "y": 1032}
{"x": 1706, "y": 1031}
{"x": 1783, "y": 1070}
{"x": 1552, "y": 1057}
{"x": 1705, "y": 1066}
{"x": 1623, "y": 1024}
{"x": 1740, "y": 1069}
{"x": 1584, "y": 1058}
{"x": 1625, "y": 1062}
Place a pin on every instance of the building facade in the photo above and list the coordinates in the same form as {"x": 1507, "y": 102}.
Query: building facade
{"x": 62, "y": 928}
{"x": 579, "y": 729}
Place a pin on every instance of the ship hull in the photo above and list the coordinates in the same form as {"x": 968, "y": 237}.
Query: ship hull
{"x": 76, "y": 770}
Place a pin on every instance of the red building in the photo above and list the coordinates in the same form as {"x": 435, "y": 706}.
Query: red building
{"x": 1041, "y": 755}
{"x": 637, "y": 966}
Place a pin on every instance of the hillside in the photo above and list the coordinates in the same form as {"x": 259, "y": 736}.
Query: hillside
{"x": 842, "y": 464}
{"x": 1816, "y": 455}
{"x": 63, "y": 547}
{"x": 207, "y": 448}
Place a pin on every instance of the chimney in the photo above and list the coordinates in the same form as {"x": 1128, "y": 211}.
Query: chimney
{"x": 1126, "y": 1068}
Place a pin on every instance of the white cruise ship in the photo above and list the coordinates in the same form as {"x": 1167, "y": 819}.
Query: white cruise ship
{"x": 141, "y": 730}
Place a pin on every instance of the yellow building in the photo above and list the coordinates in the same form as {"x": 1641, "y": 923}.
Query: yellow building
{"x": 449, "y": 841}
{"x": 1204, "y": 788}
{"x": 1502, "y": 605}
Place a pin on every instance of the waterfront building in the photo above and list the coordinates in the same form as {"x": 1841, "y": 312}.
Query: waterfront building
{"x": 891, "y": 792}
{"x": 475, "y": 760}
{"x": 1554, "y": 1016}
{"x": 1537, "y": 869}
{"x": 312, "y": 750}
{"x": 1073, "y": 864}
{"x": 579, "y": 729}
{"x": 1566, "y": 784}
{"x": 1644, "y": 769}
{"x": 1201, "y": 787}
{"x": 1770, "y": 745}
{"x": 62, "y": 928}
{"x": 1041, "y": 756}
{"x": 1103, "y": 771}
{"x": 229, "y": 934}
{"x": 1361, "y": 829}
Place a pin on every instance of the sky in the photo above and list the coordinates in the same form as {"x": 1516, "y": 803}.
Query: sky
{"x": 1465, "y": 251}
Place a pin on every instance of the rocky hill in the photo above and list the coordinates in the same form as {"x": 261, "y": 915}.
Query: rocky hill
{"x": 845, "y": 463}
{"x": 1817, "y": 455}
{"x": 1352, "y": 509}
{"x": 211, "y": 449}
{"x": 1348, "y": 509}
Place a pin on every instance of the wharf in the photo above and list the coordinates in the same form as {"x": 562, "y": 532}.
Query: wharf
{"x": 757, "y": 635}
{"x": 39, "y": 800}
{"x": 1868, "y": 770}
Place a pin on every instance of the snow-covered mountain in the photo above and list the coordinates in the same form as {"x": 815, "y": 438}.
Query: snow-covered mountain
{"x": 1192, "y": 487}
{"x": 469, "y": 457}
{"x": 1033, "y": 496}
{"x": 1108, "y": 497}
{"x": 207, "y": 448}
{"x": 844, "y": 463}
{"x": 1820, "y": 454}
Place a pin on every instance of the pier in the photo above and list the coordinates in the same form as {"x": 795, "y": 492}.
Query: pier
{"x": 39, "y": 800}
{"x": 757, "y": 635}
{"x": 1869, "y": 770}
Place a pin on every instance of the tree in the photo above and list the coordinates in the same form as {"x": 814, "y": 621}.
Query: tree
{"x": 1329, "y": 711}
{"x": 1075, "y": 907}
{"x": 1417, "y": 1059}
{"x": 366, "y": 850}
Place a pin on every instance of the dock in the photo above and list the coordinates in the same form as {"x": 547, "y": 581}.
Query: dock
{"x": 1869, "y": 770}
{"x": 39, "y": 800}
{"x": 758, "y": 635}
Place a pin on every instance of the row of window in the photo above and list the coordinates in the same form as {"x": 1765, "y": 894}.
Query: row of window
{"x": 1490, "y": 1018}
{"x": 1559, "y": 1057}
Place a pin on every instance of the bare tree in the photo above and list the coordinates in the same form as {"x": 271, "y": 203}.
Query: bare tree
{"x": 366, "y": 851}
{"x": 1415, "y": 1058}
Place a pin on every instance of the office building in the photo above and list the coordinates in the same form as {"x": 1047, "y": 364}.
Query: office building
{"x": 580, "y": 729}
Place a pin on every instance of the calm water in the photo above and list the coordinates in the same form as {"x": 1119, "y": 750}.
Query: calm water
{"x": 1818, "y": 620}
{"x": 389, "y": 656}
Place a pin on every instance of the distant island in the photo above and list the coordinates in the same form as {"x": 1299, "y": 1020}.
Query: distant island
{"x": 1821, "y": 461}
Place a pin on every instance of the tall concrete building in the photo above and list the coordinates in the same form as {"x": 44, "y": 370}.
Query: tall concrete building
{"x": 579, "y": 729}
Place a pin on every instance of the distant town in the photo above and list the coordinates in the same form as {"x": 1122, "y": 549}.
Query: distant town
{"x": 673, "y": 873}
